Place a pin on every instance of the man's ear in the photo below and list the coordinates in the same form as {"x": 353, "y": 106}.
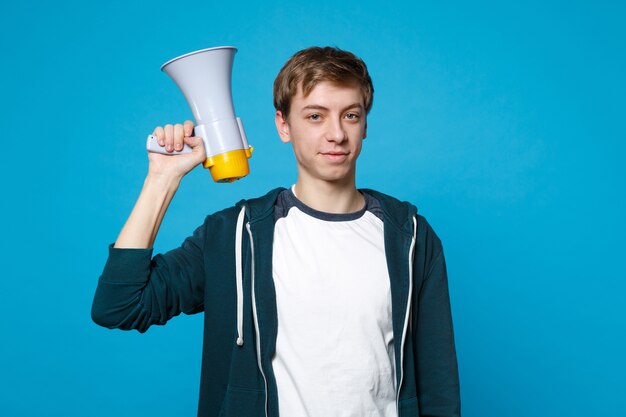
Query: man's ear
{"x": 365, "y": 131}
{"x": 282, "y": 127}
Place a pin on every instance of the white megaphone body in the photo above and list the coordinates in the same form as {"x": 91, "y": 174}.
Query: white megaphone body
{"x": 204, "y": 77}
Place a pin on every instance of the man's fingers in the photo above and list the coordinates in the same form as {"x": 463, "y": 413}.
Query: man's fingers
{"x": 178, "y": 137}
{"x": 172, "y": 137}
{"x": 169, "y": 137}
{"x": 188, "y": 128}
{"x": 160, "y": 135}
{"x": 194, "y": 142}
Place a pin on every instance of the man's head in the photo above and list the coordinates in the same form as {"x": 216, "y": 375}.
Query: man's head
{"x": 313, "y": 65}
{"x": 322, "y": 96}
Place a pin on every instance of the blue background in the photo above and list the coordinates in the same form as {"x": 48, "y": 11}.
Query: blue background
{"x": 502, "y": 121}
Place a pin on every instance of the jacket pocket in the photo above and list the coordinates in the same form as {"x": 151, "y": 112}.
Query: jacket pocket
{"x": 408, "y": 408}
{"x": 243, "y": 402}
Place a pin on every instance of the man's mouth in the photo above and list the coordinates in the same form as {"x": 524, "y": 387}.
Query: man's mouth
{"x": 335, "y": 156}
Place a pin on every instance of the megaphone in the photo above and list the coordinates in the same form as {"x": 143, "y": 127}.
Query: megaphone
{"x": 204, "y": 77}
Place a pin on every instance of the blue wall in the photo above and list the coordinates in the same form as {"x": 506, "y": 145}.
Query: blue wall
{"x": 502, "y": 121}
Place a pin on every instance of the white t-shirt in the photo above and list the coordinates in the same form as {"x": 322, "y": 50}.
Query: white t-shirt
{"x": 334, "y": 348}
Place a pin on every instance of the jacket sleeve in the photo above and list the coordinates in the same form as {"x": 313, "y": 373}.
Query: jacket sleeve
{"x": 136, "y": 291}
{"x": 436, "y": 363}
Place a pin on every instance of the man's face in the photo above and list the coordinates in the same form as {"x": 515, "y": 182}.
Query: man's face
{"x": 326, "y": 129}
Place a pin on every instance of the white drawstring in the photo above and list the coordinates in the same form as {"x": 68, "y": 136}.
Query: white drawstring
{"x": 238, "y": 265}
{"x": 408, "y": 315}
{"x": 239, "y": 273}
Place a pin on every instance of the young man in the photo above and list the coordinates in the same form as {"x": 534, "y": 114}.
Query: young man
{"x": 319, "y": 300}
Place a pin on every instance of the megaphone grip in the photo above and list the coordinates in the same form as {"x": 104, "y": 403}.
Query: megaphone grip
{"x": 152, "y": 145}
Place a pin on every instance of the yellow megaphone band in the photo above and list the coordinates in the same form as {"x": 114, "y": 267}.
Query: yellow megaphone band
{"x": 229, "y": 166}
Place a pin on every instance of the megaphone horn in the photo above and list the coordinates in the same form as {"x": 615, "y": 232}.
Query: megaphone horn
{"x": 204, "y": 77}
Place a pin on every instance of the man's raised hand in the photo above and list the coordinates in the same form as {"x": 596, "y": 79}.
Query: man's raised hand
{"x": 172, "y": 137}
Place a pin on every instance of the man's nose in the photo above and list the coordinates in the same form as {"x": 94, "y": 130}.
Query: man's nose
{"x": 336, "y": 132}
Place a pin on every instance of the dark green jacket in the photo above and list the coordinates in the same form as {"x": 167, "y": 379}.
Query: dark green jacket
{"x": 136, "y": 291}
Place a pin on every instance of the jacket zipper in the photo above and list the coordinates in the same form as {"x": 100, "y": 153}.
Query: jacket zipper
{"x": 407, "y": 314}
{"x": 256, "y": 321}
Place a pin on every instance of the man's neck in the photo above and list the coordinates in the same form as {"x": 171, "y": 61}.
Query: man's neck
{"x": 329, "y": 197}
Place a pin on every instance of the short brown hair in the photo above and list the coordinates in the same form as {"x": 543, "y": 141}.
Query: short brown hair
{"x": 313, "y": 65}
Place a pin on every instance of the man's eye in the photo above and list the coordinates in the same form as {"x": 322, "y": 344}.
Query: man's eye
{"x": 314, "y": 117}
{"x": 352, "y": 116}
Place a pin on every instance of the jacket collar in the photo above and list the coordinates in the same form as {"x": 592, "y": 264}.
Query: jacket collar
{"x": 261, "y": 207}
{"x": 398, "y": 213}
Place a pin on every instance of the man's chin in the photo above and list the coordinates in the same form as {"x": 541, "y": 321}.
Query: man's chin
{"x": 338, "y": 177}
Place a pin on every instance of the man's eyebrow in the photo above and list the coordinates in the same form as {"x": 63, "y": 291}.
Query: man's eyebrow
{"x": 320, "y": 107}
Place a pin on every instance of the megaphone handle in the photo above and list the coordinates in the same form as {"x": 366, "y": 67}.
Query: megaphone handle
{"x": 152, "y": 145}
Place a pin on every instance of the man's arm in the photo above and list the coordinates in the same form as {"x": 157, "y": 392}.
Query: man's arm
{"x": 437, "y": 370}
{"x": 136, "y": 290}
{"x": 164, "y": 175}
